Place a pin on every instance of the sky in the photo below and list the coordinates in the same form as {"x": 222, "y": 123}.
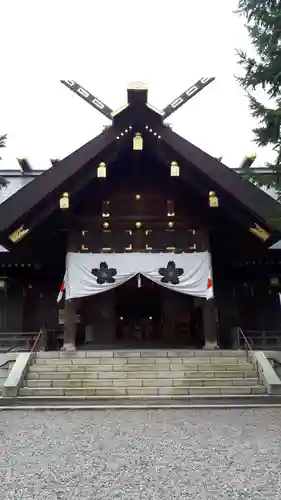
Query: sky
{"x": 106, "y": 44}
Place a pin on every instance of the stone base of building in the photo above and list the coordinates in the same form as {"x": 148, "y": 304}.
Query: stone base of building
{"x": 211, "y": 345}
{"x": 68, "y": 346}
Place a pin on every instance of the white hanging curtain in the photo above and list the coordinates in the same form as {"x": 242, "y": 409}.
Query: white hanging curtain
{"x": 89, "y": 273}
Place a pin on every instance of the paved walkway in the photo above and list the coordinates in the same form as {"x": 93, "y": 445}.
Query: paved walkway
{"x": 143, "y": 455}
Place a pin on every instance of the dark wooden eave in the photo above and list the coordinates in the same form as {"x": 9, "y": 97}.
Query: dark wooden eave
{"x": 260, "y": 204}
{"x": 18, "y": 205}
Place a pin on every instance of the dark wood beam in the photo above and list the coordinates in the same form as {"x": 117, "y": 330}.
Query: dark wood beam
{"x": 89, "y": 98}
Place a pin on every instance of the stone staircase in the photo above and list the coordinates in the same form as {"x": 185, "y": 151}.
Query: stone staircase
{"x": 123, "y": 377}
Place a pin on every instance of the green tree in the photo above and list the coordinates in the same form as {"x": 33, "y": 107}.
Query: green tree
{"x": 263, "y": 71}
{"x": 3, "y": 182}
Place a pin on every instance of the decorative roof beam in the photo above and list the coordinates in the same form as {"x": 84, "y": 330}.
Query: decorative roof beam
{"x": 88, "y": 97}
{"x": 24, "y": 165}
{"x": 187, "y": 95}
{"x": 248, "y": 161}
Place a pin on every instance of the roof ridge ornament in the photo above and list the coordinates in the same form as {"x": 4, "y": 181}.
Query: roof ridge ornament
{"x": 137, "y": 86}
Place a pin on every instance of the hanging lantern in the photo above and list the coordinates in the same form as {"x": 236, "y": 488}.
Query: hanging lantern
{"x": 64, "y": 201}
{"x": 138, "y": 225}
{"x": 139, "y": 280}
{"x": 175, "y": 169}
{"x": 213, "y": 200}
{"x": 101, "y": 171}
{"x": 3, "y": 284}
{"x": 138, "y": 142}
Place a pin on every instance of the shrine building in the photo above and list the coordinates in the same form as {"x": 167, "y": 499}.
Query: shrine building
{"x": 157, "y": 243}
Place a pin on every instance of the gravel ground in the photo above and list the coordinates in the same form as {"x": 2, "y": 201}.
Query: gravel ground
{"x": 127, "y": 454}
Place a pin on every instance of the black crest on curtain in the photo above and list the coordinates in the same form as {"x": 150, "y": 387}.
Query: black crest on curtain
{"x": 104, "y": 274}
{"x": 171, "y": 273}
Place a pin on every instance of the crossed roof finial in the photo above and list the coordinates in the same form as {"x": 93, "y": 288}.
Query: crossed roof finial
{"x": 167, "y": 111}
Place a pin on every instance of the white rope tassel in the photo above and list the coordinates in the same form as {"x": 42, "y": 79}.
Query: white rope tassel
{"x": 139, "y": 280}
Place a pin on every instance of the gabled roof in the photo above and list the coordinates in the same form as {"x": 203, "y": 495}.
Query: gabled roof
{"x": 262, "y": 211}
{"x": 254, "y": 199}
{"x": 32, "y": 194}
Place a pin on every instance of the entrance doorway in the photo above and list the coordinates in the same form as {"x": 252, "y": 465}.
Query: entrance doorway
{"x": 140, "y": 315}
{"x": 151, "y": 316}
{"x": 138, "y": 312}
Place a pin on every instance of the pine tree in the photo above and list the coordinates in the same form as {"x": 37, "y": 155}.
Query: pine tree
{"x": 3, "y": 182}
{"x": 263, "y": 71}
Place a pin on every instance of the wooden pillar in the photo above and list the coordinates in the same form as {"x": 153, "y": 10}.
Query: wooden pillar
{"x": 210, "y": 324}
{"x": 69, "y": 325}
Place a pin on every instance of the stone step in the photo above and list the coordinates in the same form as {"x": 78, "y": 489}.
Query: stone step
{"x": 156, "y": 374}
{"x": 204, "y": 375}
{"x": 146, "y": 353}
{"x": 139, "y": 361}
{"x": 139, "y": 402}
{"x": 145, "y": 367}
{"x": 140, "y": 391}
{"x": 141, "y": 383}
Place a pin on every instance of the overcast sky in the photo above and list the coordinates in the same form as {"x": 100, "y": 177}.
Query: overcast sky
{"x": 104, "y": 45}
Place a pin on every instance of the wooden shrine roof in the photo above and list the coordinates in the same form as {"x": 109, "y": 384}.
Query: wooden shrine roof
{"x": 38, "y": 196}
{"x": 253, "y": 198}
